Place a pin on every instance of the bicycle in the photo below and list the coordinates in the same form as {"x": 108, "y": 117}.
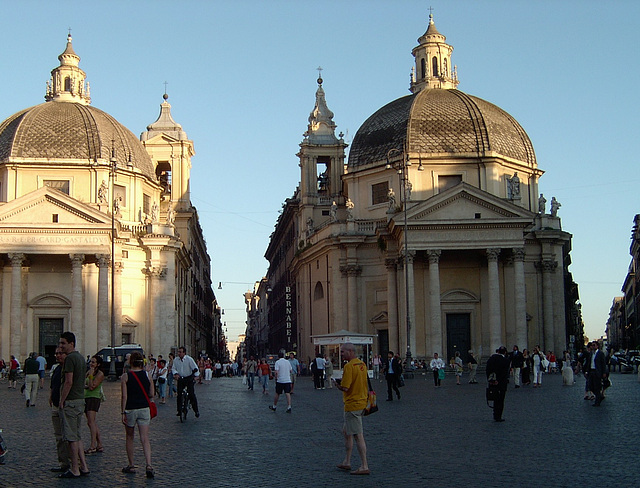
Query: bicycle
{"x": 186, "y": 404}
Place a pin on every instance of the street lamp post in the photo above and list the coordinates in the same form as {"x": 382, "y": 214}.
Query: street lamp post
{"x": 402, "y": 167}
{"x": 112, "y": 365}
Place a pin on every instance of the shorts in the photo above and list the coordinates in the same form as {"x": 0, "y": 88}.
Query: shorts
{"x": 71, "y": 416}
{"x": 293, "y": 378}
{"x": 353, "y": 422}
{"x": 283, "y": 388}
{"x": 13, "y": 373}
{"x": 41, "y": 373}
{"x": 140, "y": 416}
{"x": 91, "y": 404}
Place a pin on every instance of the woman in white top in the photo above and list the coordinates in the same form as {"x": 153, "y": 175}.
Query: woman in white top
{"x": 538, "y": 366}
{"x": 436, "y": 365}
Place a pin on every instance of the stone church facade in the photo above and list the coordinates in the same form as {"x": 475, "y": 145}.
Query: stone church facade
{"x": 432, "y": 235}
{"x": 69, "y": 173}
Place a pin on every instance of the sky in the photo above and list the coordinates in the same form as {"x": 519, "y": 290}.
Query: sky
{"x": 241, "y": 78}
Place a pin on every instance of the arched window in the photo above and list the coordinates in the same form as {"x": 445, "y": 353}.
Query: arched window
{"x": 434, "y": 66}
{"x": 423, "y": 68}
{"x": 67, "y": 84}
{"x": 445, "y": 71}
{"x": 318, "y": 293}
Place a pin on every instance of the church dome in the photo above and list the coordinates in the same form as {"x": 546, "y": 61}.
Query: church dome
{"x": 441, "y": 122}
{"x": 59, "y": 132}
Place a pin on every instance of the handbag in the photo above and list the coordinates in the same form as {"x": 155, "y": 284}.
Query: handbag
{"x": 162, "y": 380}
{"x": 153, "y": 409}
{"x": 401, "y": 380}
{"x": 441, "y": 373}
{"x": 372, "y": 406}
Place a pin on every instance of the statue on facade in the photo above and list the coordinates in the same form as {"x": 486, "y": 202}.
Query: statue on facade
{"x": 116, "y": 206}
{"x": 171, "y": 215}
{"x": 555, "y": 205}
{"x": 391, "y": 196}
{"x": 334, "y": 211}
{"x": 155, "y": 212}
{"x": 513, "y": 187}
{"x": 103, "y": 192}
{"x": 350, "y": 207}
{"x": 408, "y": 187}
{"x": 542, "y": 204}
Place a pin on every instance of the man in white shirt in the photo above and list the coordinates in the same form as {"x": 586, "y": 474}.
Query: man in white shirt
{"x": 184, "y": 370}
{"x": 318, "y": 376}
{"x": 295, "y": 369}
{"x": 282, "y": 369}
{"x": 42, "y": 363}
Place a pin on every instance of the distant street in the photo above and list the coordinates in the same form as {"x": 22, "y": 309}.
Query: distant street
{"x": 431, "y": 437}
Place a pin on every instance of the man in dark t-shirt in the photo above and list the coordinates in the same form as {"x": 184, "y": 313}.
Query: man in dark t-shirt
{"x": 72, "y": 404}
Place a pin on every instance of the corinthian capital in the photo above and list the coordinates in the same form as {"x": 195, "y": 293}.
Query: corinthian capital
{"x": 76, "y": 259}
{"x": 492, "y": 254}
{"x": 17, "y": 258}
{"x": 434, "y": 256}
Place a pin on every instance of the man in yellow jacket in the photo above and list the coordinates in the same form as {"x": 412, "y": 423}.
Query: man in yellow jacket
{"x": 355, "y": 392}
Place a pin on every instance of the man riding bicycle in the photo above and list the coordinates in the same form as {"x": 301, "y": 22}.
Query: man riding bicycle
{"x": 184, "y": 370}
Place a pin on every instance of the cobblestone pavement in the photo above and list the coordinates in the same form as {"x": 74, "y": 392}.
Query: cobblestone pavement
{"x": 439, "y": 437}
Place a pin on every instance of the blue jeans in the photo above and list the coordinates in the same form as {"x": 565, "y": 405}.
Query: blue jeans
{"x": 162, "y": 388}
{"x": 172, "y": 389}
{"x": 264, "y": 381}
{"x": 250, "y": 380}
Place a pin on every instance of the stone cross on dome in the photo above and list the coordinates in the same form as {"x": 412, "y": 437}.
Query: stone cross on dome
{"x": 319, "y": 68}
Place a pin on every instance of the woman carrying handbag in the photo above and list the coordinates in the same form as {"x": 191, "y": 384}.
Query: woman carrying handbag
{"x": 137, "y": 390}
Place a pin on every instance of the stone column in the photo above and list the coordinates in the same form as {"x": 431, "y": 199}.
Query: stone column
{"x": 352, "y": 271}
{"x": 495, "y": 328}
{"x": 15, "y": 319}
{"x": 392, "y": 303}
{"x": 435, "y": 316}
{"x": 411, "y": 293}
{"x": 548, "y": 267}
{"x": 155, "y": 274}
{"x": 104, "y": 314}
{"x": 520, "y": 298}
{"x": 77, "y": 324}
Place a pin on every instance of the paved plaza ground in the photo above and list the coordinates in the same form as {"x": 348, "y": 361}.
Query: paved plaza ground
{"x": 431, "y": 437}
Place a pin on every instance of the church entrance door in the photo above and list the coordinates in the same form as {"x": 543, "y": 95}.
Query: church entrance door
{"x": 50, "y": 330}
{"x": 458, "y": 335}
{"x": 383, "y": 342}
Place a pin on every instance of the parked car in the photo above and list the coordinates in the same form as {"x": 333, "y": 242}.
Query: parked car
{"x": 121, "y": 353}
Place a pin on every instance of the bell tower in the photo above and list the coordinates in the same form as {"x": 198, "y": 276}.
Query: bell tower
{"x": 171, "y": 152}
{"x": 433, "y": 67}
{"x": 322, "y": 158}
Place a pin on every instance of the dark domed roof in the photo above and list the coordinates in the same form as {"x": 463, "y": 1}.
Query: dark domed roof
{"x": 63, "y": 131}
{"x": 443, "y": 122}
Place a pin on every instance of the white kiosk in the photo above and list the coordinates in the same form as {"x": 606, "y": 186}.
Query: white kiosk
{"x": 332, "y": 342}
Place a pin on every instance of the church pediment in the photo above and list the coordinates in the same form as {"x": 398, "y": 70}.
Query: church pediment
{"x": 161, "y": 138}
{"x": 381, "y": 318}
{"x": 40, "y": 206}
{"x": 465, "y": 203}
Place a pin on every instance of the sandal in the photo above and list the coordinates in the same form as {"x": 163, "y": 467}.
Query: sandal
{"x": 100, "y": 449}
{"x": 150, "y": 472}
{"x": 91, "y": 450}
{"x": 129, "y": 469}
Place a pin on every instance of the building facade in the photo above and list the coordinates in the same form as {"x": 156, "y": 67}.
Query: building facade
{"x": 432, "y": 236}
{"x": 97, "y": 232}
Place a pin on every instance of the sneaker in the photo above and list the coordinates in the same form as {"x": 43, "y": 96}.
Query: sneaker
{"x": 288, "y": 409}
{"x": 271, "y": 407}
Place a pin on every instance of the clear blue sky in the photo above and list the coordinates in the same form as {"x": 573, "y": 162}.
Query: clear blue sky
{"x": 241, "y": 79}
